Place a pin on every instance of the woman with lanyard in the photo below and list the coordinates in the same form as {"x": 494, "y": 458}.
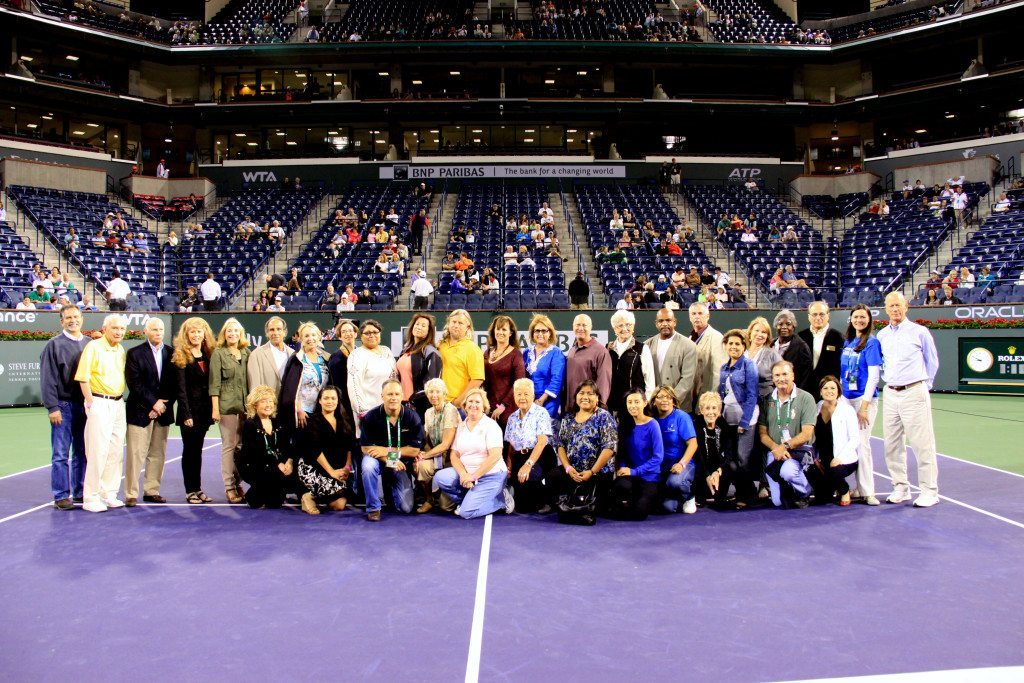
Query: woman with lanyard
{"x": 228, "y": 389}
{"x": 305, "y": 375}
{"x": 860, "y": 368}
{"x": 529, "y": 454}
{"x": 476, "y": 479}
{"x": 325, "y": 465}
{"x": 439, "y": 424}
{"x": 263, "y": 462}
{"x": 368, "y": 366}
{"x": 193, "y": 347}
{"x": 716, "y": 448}
{"x": 545, "y": 365}
{"x": 678, "y": 468}
{"x": 836, "y": 440}
{"x": 420, "y": 362}
{"x": 739, "y": 392}
{"x": 503, "y": 365}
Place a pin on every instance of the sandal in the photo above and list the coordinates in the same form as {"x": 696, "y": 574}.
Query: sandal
{"x": 195, "y": 498}
{"x": 309, "y": 505}
{"x": 203, "y": 497}
{"x": 234, "y": 496}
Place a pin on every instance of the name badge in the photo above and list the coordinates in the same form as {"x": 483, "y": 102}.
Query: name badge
{"x": 785, "y": 434}
{"x": 830, "y": 347}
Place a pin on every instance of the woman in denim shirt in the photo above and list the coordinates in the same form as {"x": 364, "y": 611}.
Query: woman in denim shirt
{"x": 738, "y": 390}
{"x": 545, "y": 364}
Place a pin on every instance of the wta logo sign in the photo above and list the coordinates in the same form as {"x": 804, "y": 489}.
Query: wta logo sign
{"x": 258, "y": 177}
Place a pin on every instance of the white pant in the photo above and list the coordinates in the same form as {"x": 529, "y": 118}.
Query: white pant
{"x": 907, "y": 418}
{"x": 145, "y": 445}
{"x": 865, "y": 462}
{"x": 105, "y": 428}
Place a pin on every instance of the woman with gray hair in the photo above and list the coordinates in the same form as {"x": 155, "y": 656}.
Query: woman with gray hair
{"x": 632, "y": 363}
{"x": 440, "y": 422}
{"x": 792, "y": 348}
{"x": 529, "y": 454}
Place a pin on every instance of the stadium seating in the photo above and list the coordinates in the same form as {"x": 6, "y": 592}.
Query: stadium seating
{"x": 16, "y": 262}
{"x": 158, "y": 208}
{"x": 895, "y": 22}
{"x": 752, "y": 21}
{"x": 999, "y": 245}
{"x": 105, "y": 16}
{"x": 401, "y": 20}
{"x": 826, "y": 206}
{"x": 634, "y": 20}
{"x": 249, "y": 22}
{"x": 355, "y": 262}
{"x": 54, "y": 211}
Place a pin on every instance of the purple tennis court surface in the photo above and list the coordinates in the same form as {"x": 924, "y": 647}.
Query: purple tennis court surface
{"x": 224, "y": 592}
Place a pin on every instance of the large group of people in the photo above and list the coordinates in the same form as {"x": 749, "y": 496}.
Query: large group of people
{"x": 623, "y": 429}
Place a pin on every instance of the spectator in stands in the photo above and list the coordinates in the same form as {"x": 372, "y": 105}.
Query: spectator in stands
{"x": 579, "y": 293}
{"x": 985, "y": 280}
{"x": 615, "y": 224}
{"x": 26, "y": 304}
{"x": 1002, "y": 205}
{"x": 118, "y": 292}
{"x": 931, "y": 298}
{"x": 188, "y": 301}
{"x": 277, "y": 306}
{"x": 210, "y": 292}
{"x": 172, "y": 241}
{"x": 262, "y": 302}
{"x": 199, "y": 233}
{"x": 790, "y": 235}
{"x": 692, "y": 278}
{"x": 751, "y": 185}
{"x": 791, "y": 347}
{"x": 948, "y": 298}
{"x": 294, "y": 281}
{"x": 774, "y": 234}
{"x": 953, "y": 279}
{"x": 934, "y": 283}
{"x": 966, "y": 278}
{"x": 71, "y": 243}
{"x": 748, "y": 235}
{"x": 276, "y": 233}
{"x": 791, "y": 281}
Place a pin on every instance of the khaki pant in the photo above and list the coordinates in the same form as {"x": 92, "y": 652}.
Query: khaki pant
{"x": 104, "y": 449}
{"x": 145, "y": 445}
{"x": 907, "y": 419}
{"x": 425, "y": 471}
{"x": 230, "y": 438}
{"x": 579, "y": 307}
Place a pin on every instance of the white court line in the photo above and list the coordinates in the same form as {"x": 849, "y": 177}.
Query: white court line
{"x": 963, "y": 504}
{"x": 43, "y": 467}
{"x": 476, "y": 635}
{"x": 997, "y": 674}
{"x": 969, "y": 462}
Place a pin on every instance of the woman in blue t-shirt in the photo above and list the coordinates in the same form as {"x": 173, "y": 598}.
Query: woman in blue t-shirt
{"x": 860, "y": 368}
{"x": 635, "y": 491}
{"x": 680, "y": 443}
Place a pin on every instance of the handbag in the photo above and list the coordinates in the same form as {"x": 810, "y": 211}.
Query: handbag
{"x": 578, "y": 505}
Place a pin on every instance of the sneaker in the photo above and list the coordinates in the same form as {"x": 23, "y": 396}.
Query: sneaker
{"x": 64, "y": 504}
{"x": 898, "y": 496}
{"x": 690, "y": 506}
{"x": 94, "y": 506}
{"x": 113, "y": 503}
{"x": 458, "y": 510}
{"x": 510, "y": 501}
{"x": 926, "y": 500}
{"x": 870, "y": 500}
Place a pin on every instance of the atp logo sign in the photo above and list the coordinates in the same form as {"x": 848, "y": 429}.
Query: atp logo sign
{"x": 258, "y": 177}
{"x": 740, "y": 173}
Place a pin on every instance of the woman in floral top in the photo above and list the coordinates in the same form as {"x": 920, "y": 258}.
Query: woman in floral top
{"x": 305, "y": 375}
{"x": 586, "y": 446}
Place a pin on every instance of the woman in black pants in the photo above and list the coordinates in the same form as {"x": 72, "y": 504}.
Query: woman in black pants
{"x": 192, "y": 349}
{"x": 262, "y": 461}
{"x": 716, "y": 458}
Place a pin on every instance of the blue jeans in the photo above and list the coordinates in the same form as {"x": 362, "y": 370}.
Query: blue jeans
{"x": 486, "y": 496}
{"x": 789, "y": 472}
{"x": 678, "y": 487}
{"x": 373, "y": 485}
{"x": 68, "y": 436}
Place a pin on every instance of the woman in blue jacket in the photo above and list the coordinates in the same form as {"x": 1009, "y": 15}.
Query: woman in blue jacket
{"x": 545, "y": 364}
{"x": 738, "y": 390}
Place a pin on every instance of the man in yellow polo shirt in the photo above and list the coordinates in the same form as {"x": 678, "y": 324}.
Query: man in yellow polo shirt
{"x": 101, "y": 375}
{"x": 462, "y": 361}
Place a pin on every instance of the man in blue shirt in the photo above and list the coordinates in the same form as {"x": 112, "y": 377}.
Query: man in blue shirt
{"x": 910, "y": 362}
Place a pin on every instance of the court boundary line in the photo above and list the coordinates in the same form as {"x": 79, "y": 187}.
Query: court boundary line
{"x": 961, "y": 504}
{"x": 43, "y": 467}
{"x": 953, "y": 457}
{"x": 476, "y": 634}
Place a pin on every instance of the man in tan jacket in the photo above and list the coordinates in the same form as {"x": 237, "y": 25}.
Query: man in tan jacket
{"x": 266, "y": 364}
{"x": 710, "y": 352}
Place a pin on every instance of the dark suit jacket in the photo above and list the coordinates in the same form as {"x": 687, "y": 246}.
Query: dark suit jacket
{"x": 145, "y": 388}
{"x": 828, "y": 360}
{"x": 194, "y": 393}
{"x": 799, "y": 354}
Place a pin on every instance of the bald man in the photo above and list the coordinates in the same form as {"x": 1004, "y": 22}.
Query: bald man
{"x": 152, "y": 387}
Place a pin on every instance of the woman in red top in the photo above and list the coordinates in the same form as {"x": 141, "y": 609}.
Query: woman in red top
{"x": 674, "y": 249}
{"x": 503, "y": 365}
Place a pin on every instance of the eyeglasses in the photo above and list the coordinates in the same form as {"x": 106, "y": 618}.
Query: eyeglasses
{"x": 541, "y": 331}
{"x": 371, "y": 333}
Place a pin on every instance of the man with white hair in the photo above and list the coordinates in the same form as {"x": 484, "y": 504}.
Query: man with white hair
{"x": 101, "y": 375}
{"x": 911, "y": 362}
{"x": 421, "y": 291}
{"x": 152, "y": 385}
{"x": 586, "y": 359}
{"x": 826, "y": 344}
{"x": 710, "y": 352}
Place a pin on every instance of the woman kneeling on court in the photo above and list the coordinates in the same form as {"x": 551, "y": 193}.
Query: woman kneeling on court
{"x": 716, "y": 448}
{"x": 528, "y": 434}
{"x": 641, "y": 451}
{"x": 262, "y": 461}
{"x": 678, "y": 467}
{"x": 837, "y": 441}
{"x": 476, "y": 479}
{"x": 325, "y": 465}
{"x": 586, "y": 447}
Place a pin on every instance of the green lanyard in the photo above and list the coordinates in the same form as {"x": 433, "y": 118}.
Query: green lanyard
{"x": 387, "y": 423}
{"x": 778, "y": 413}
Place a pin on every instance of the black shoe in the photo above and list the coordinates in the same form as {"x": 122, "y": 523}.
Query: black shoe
{"x": 64, "y": 504}
{"x": 155, "y": 498}
{"x": 78, "y": 500}
{"x": 801, "y": 503}
{"x": 544, "y": 510}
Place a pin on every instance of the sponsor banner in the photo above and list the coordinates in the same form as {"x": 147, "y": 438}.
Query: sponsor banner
{"x": 406, "y": 172}
{"x": 992, "y": 364}
{"x": 49, "y": 321}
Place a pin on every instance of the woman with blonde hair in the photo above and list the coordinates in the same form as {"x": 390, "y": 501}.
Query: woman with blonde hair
{"x": 545, "y": 364}
{"x": 305, "y": 375}
{"x": 264, "y": 462}
{"x": 228, "y": 389}
{"x": 759, "y": 350}
{"x": 439, "y": 424}
{"x": 193, "y": 347}
{"x": 462, "y": 361}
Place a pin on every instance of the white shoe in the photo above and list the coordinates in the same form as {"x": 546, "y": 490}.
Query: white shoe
{"x": 113, "y": 503}
{"x": 898, "y": 496}
{"x": 870, "y": 500}
{"x": 690, "y": 506}
{"x": 94, "y": 506}
{"x": 458, "y": 511}
{"x": 510, "y": 501}
{"x": 926, "y": 500}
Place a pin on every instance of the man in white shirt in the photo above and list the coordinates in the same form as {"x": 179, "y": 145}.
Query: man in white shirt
{"x": 276, "y": 233}
{"x": 118, "y": 292}
{"x": 210, "y": 293}
{"x": 722, "y": 278}
{"x": 959, "y": 202}
{"x": 421, "y": 291}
